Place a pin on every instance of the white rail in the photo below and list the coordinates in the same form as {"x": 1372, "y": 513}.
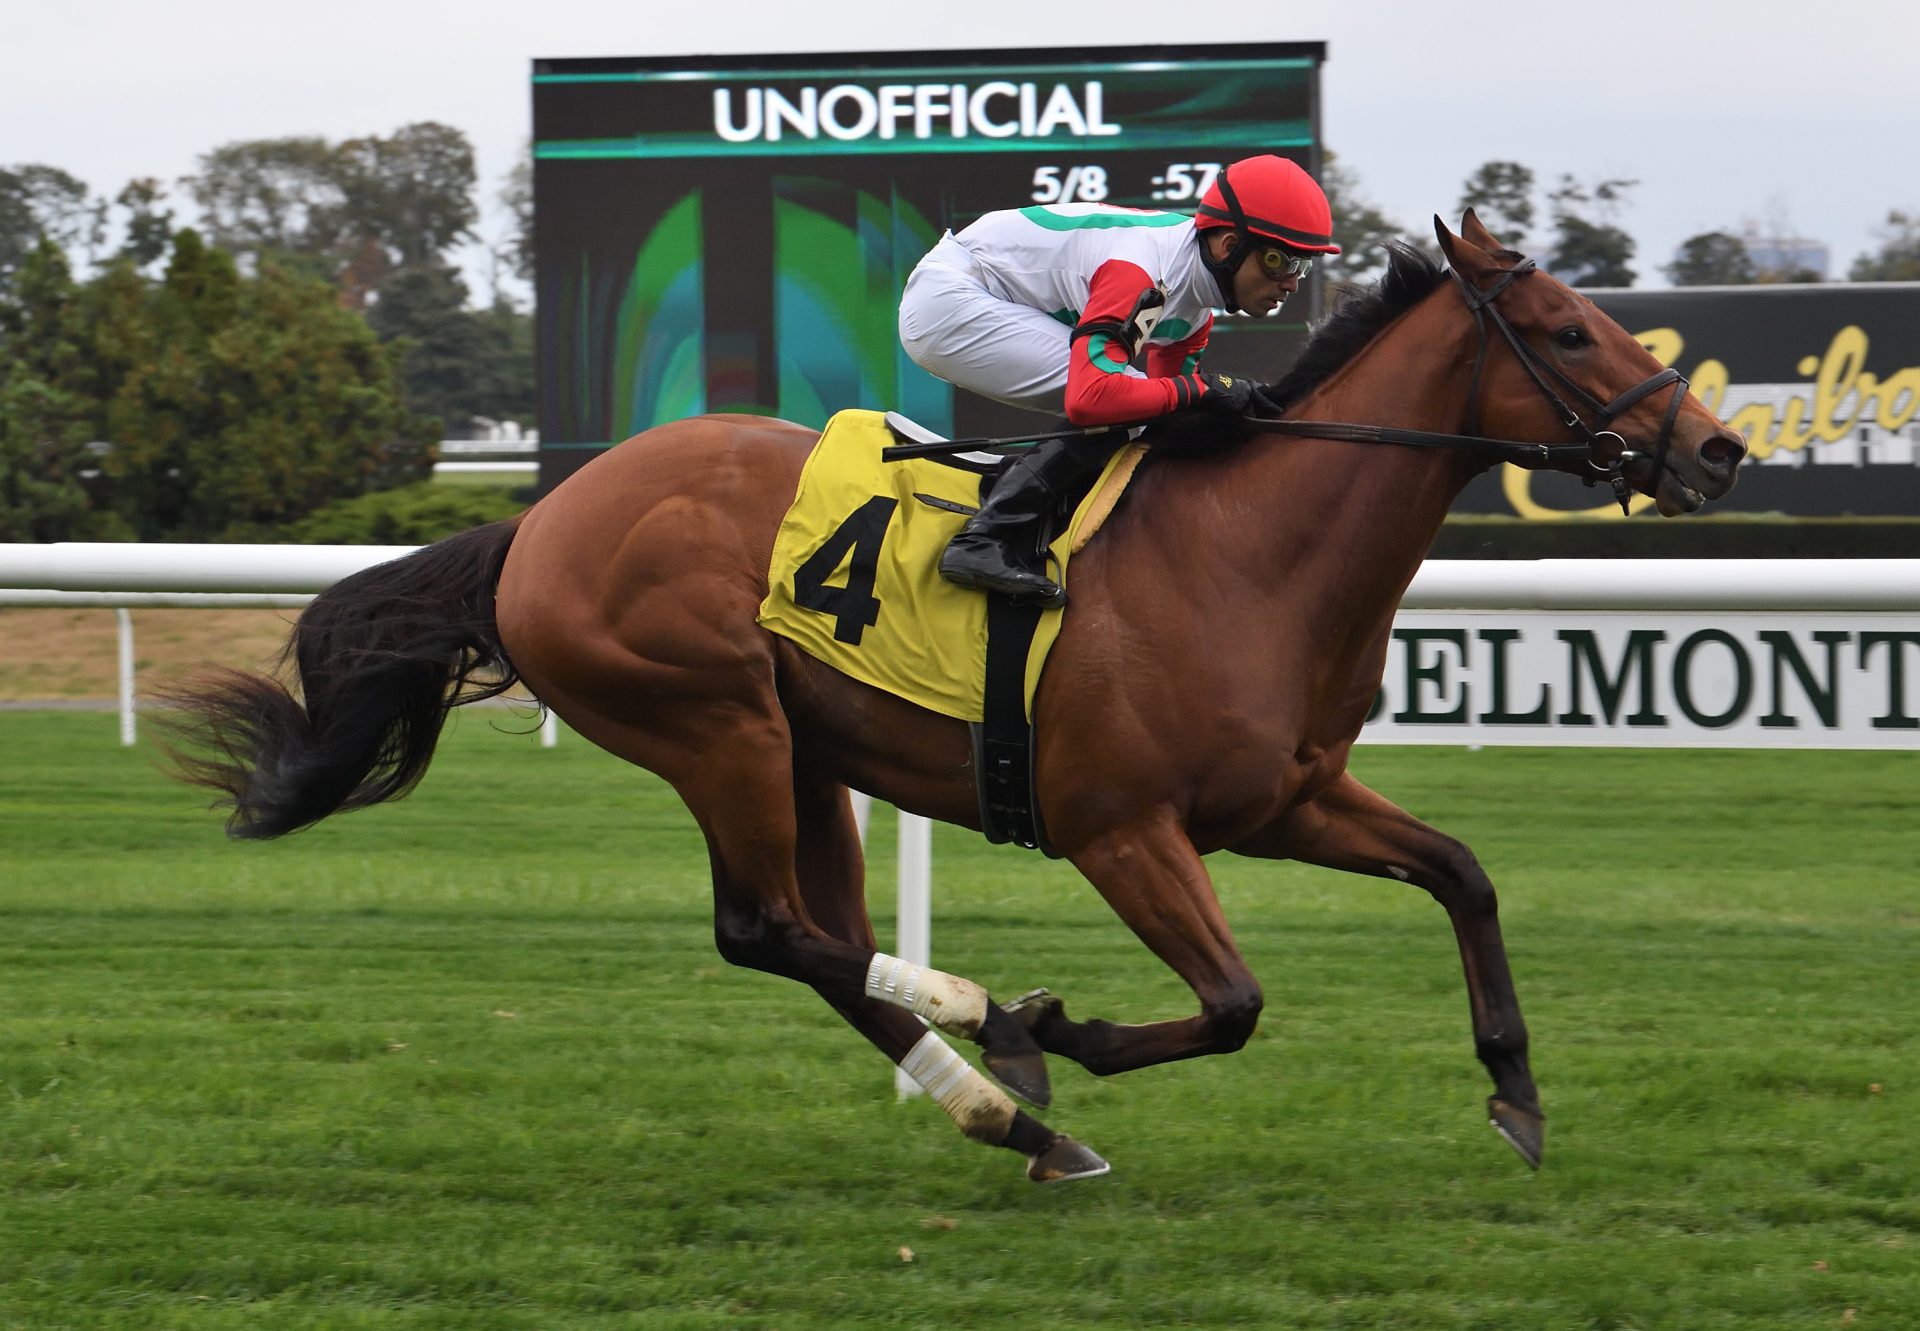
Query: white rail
{"x": 1666, "y": 584}
{"x": 485, "y": 468}
{"x": 121, "y": 570}
{"x": 108, "y": 566}
{"x": 125, "y": 575}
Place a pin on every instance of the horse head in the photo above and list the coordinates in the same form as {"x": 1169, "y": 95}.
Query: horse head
{"x": 1577, "y": 374}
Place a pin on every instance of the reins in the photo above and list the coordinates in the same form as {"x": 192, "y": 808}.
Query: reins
{"x": 1506, "y": 450}
{"x": 1604, "y": 450}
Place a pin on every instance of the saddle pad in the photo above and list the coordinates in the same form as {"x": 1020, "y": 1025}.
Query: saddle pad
{"x": 854, "y": 578}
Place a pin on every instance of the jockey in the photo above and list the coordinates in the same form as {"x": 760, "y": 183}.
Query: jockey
{"x": 1048, "y": 307}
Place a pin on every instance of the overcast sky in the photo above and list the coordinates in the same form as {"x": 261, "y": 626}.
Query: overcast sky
{"x": 1805, "y": 115}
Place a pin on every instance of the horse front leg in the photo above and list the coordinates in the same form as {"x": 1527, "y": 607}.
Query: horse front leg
{"x": 1154, "y": 880}
{"x": 1352, "y": 828}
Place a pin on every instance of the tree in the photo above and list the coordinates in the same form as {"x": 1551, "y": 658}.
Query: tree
{"x": 1501, "y": 195}
{"x": 1898, "y": 259}
{"x": 1712, "y": 258}
{"x": 411, "y": 192}
{"x": 516, "y": 196}
{"x": 353, "y": 213}
{"x": 456, "y": 363}
{"x": 1589, "y": 250}
{"x": 43, "y": 438}
{"x": 422, "y": 314}
{"x": 38, "y": 203}
{"x": 1361, "y": 229}
{"x": 271, "y": 200}
{"x": 45, "y": 422}
{"x": 246, "y": 402}
{"x": 149, "y": 227}
{"x": 504, "y": 386}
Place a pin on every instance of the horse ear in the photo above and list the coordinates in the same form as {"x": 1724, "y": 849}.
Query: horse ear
{"x": 1466, "y": 257}
{"x": 1472, "y": 230}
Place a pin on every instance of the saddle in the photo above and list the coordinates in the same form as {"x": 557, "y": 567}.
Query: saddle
{"x": 853, "y": 582}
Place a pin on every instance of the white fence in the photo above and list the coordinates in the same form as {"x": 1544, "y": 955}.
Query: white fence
{"x": 495, "y": 457}
{"x": 125, "y": 571}
{"x": 1721, "y": 653}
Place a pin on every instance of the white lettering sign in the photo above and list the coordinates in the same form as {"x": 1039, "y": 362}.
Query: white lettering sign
{"x": 847, "y": 111}
{"x": 1695, "y": 680}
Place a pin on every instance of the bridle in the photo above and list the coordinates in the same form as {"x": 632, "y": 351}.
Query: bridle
{"x": 1603, "y": 459}
{"x": 1606, "y": 455}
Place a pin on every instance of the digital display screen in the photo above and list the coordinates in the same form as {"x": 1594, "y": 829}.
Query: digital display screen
{"x": 733, "y": 234}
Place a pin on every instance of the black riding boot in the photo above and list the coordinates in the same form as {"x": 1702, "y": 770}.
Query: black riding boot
{"x": 1000, "y": 548}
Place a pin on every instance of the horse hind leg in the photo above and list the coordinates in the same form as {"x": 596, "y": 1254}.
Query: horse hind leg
{"x": 832, "y": 884}
{"x": 761, "y": 822}
{"x": 776, "y": 932}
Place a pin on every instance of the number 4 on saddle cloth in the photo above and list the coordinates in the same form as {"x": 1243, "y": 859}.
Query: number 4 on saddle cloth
{"x": 854, "y": 582}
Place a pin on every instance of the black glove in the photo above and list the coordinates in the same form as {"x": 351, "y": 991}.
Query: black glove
{"x": 1235, "y": 398}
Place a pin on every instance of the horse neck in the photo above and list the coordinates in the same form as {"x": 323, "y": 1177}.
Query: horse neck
{"x": 1414, "y": 375}
{"x": 1375, "y": 507}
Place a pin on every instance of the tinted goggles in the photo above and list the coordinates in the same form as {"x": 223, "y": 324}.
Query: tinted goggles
{"x": 1276, "y": 262}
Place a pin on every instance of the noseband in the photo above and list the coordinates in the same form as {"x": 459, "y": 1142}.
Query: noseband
{"x": 1607, "y": 452}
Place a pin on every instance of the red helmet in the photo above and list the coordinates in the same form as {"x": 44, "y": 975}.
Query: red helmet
{"x": 1271, "y": 197}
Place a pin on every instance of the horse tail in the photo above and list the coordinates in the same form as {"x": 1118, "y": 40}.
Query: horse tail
{"x": 382, "y": 657}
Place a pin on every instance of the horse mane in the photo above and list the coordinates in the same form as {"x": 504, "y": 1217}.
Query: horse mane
{"x": 1358, "y": 317}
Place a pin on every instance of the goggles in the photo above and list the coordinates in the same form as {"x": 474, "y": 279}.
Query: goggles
{"x": 1276, "y": 262}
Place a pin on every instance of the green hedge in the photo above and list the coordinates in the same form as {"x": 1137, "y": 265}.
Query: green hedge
{"x": 410, "y": 515}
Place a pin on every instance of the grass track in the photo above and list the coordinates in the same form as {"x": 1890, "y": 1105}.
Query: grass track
{"x": 471, "y": 1061}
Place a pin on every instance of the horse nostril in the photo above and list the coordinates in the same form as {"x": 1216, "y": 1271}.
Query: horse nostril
{"x": 1723, "y": 452}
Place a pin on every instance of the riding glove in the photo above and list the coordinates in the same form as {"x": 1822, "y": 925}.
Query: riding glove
{"x": 1235, "y": 398}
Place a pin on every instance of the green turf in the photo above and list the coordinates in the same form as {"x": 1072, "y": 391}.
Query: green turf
{"x": 471, "y": 1061}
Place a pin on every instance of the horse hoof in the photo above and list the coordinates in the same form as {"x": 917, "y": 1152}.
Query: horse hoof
{"x": 1525, "y": 1130}
{"x": 1009, "y": 1053}
{"x": 1023, "y": 1074}
{"x": 1065, "y": 1159}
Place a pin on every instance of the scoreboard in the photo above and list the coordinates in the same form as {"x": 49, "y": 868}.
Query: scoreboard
{"x": 733, "y": 233}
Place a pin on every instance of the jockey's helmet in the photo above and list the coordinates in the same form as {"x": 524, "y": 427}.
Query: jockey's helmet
{"x": 1272, "y": 197}
{"x": 1269, "y": 197}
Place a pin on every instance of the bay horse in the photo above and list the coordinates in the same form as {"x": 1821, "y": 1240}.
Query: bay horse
{"x": 1227, "y": 635}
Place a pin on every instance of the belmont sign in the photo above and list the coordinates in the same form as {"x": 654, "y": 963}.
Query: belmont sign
{"x": 1692, "y": 679}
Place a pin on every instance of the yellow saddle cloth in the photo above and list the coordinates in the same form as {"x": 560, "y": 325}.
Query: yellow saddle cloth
{"x": 854, "y": 578}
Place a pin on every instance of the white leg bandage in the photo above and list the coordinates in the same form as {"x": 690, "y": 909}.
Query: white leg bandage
{"x": 955, "y": 1005}
{"x": 978, "y": 1107}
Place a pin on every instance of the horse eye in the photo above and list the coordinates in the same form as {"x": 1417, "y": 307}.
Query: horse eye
{"x": 1570, "y": 339}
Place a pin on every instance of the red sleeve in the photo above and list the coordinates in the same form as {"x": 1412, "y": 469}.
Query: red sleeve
{"x": 1099, "y": 391}
{"x": 1182, "y": 357}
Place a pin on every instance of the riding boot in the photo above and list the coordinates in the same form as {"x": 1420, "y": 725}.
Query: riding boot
{"x": 1000, "y": 548}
